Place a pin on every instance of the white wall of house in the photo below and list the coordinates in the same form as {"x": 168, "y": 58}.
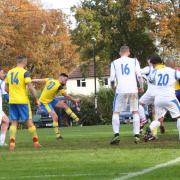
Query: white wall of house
{"x": 84, "y": 86}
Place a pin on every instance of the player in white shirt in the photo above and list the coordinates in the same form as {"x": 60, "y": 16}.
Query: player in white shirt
{"x": 149, "y": 96}
{"x": 4, "y": 120}
{"x": 124, "y": 72}
{"x": 164, "y": 79}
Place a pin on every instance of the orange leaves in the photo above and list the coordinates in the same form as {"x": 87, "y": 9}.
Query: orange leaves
{"x": 26, "y": 28}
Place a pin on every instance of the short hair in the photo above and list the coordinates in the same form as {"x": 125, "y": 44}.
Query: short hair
{"x": 123, "y": 49}
{"x": 156, "y": 59}
{"x": 64, "y": 75}
{"x": 170, "y": 63}
{"x": 21, "y": 58}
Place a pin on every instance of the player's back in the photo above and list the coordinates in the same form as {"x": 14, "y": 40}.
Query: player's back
{"x": 50, "y": 90}
{"x": 125, "y": 74}
{"x": 17, "y": 78}
{"x": 165, "y": 79}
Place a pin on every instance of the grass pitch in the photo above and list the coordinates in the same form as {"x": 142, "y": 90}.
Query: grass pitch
{"x": 85, "y": 153}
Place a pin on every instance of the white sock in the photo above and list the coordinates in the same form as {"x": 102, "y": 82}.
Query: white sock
{"x": 2, "y": 138}
{"x": 115, "y": 123}
{"x": 154, "y": 124}
{"x": 178, "y": 126}
{"x": 141, "y": 112}
{"x": 136, "y": 123}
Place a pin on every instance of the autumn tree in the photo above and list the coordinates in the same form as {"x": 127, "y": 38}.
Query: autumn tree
{"x": 42, "y": 35}
{"x": 164, "y": 25}
{"x": 110, "y": 22}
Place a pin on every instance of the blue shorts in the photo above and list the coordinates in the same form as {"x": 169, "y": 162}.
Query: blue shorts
{"x": 178, "y": 95}
{"x": 49, "y": 107}
{"x": 20, "y": 112}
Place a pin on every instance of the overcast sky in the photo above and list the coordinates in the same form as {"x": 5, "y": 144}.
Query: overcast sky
{"x": 65, "y": 5}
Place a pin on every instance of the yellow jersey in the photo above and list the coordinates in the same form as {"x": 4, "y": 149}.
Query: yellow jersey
{"x": 52, "y": 88}
{"x": 177, "y": 85}
{"x": 17, "y": 79}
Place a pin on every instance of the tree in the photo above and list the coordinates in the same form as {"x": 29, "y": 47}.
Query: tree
{"x": 42, "y": 35}
{"x": 110, "y": 22}
{"x": 164, "y": 25}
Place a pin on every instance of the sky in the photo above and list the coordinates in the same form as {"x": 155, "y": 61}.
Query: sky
{"x": 65, "y": 5}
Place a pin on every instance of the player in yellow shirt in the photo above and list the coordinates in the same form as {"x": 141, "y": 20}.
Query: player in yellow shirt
{"x": 48, "y": 100}
{"x": 17, "y": 82}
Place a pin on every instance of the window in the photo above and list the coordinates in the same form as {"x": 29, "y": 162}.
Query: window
{"x": 78, "y": 83}
{"x": 81, "y": 83}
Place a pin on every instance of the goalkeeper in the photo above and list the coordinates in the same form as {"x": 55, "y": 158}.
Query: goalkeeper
{"x": 49, "y": 102}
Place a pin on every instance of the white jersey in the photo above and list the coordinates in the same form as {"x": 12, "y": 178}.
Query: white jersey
{"x": 147, "y": 71}
{"x": 164, "y": 80}
{"x": 124, "y": 71}
{"x": 2, "y": 87}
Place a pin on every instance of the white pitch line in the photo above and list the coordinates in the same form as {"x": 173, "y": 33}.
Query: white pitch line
{"x": 147, "y": 170}
{"x": 53, "y": 175}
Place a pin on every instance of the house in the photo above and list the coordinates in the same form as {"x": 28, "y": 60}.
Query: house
{"x": 78, "y": 84}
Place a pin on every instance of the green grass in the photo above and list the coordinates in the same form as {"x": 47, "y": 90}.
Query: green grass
{"x": 85, "y": 153}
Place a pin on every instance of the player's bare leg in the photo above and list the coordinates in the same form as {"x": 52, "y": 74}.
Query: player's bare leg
{"x": 33, "y": 132}
{"x": 4, "y": 127}
{"x": 12, "y": 131}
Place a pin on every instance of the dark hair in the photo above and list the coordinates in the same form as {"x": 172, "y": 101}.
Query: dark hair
{"x": 64, "y": 74}
{"x": 21, "y": 58}
{"x": 156, "y": 59}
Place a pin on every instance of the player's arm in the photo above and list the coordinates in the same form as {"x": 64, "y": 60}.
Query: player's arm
{"x": 113, "y": 77}
{"x": 4, "y": 93}
{"x": 33, "y": 92}
{"x": 139, "y": 76}
{"x": 76, "y": 101}
{"x": 145, "y": 71}
{"x": 30, "y": 86}
{"x": 177, "y": 75}
{"x": 39, "y": 80}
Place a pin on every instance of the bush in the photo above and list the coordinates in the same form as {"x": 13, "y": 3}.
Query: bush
{"x": 88, "y": 114}
{"x": 105, "y": 104}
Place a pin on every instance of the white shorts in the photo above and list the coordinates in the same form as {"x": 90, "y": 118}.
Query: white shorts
{"x": 121, "y": 102}
{"x": 147, "y": 98}
{"x": 164, "y": 104}
{"x": 1, "y": 117}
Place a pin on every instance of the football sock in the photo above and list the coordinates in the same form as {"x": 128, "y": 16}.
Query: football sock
{"x": 136, "y": 123}
{"x": 56, "y": 129}
{"x": 72, "y": 114}
{"x": 33, "y": 132}
{"x": 115, "y": 123}
{"x": 12, "y": 131}
{"x": 142, "y": 112}
{"x": 178, "y": 126}
{"x": 2, "y": 138}
{"x": 153, "y": 126}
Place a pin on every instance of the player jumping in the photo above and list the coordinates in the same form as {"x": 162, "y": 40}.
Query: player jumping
{"x": 48, "y": 100}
